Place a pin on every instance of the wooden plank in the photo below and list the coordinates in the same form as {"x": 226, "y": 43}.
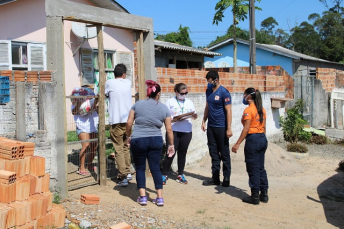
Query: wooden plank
{"x": 141, "y": 74}
{"x": 101, "y": 108}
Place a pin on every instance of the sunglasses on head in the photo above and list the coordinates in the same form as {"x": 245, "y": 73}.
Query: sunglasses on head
{"x": 183, "y": 93}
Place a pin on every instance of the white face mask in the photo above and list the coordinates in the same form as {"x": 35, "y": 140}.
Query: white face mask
{"x": 181, "y": 97}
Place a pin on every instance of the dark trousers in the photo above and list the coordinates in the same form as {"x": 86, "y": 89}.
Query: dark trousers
{"x": 218, "y": 144}
{"x": 147, "y": 148}
{"x": 255, "y": 147}
{"x": 181, "y": 144}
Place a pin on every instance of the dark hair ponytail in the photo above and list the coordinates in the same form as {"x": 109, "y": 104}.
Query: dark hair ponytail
{"x": 257, "y": 98}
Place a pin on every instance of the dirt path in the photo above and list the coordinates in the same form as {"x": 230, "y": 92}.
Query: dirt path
{"x": 295, "y": 189}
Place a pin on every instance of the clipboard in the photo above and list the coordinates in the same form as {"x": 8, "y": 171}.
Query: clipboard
{"x": 185, "y": 116}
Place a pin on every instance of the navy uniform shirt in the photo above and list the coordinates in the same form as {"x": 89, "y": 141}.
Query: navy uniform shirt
{"x": 216, "y": 103}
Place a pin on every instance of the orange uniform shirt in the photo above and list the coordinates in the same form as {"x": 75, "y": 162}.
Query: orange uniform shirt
{"x": 251, "y": 113}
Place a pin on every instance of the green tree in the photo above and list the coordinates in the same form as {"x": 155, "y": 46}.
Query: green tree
{"x": 239, "y": 10}
{"x": 240, "y": 34}
{"x": 306, "y": 40}
{"x": 181, "y": 37}
{"x": 331, "y": 30}
{"x": 333, "y": 5}
{"x": 268, "y": 25}
{"x": 282, "y": 38}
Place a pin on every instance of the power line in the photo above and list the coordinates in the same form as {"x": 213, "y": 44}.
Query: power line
{"x": 284, "y": 7}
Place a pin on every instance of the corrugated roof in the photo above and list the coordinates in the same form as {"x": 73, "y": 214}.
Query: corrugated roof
{"x": 2, "y": 2}
{"x": 274, "y": 49}
{"x": 173, "y": 46}
{"x": 110, "y": 4}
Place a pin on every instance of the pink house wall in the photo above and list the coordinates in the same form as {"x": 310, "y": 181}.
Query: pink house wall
{"x": 24, "y": 20}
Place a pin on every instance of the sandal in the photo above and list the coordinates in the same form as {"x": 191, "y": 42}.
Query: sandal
{"x": 85, "y": 173}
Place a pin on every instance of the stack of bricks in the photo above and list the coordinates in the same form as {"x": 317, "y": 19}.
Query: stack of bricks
{"x": 27, "y": 76}
{"x": 25, "y": 199}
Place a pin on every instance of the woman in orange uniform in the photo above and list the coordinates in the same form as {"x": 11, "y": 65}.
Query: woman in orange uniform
{"x": 254, "y": 122}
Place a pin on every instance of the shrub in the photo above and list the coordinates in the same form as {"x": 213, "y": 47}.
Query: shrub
{"x": 339, "y": 142}
{"x": 293, "y": 124}
{"x": 319, "y": 140}
{"x": 296, "y": 147}
{"x": 341, "y": 165}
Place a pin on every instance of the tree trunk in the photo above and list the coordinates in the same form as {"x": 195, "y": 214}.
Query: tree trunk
{"x": 234, "y": 45}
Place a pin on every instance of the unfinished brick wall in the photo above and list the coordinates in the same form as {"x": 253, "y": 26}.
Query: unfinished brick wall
{"x": 234, "y": 82}
{"x": 327, "y": 76}
{"x": 340, "y": 79}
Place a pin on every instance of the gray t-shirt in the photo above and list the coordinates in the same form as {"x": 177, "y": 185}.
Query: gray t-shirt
{"x": 150, "y": 115}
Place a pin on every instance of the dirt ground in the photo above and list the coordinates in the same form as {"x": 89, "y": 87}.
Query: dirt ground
{"x": 305, "y": 192}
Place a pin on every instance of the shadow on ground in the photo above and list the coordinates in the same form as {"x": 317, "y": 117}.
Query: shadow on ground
{"x": 331, "y": 195}
{"x": 231, "y": 190}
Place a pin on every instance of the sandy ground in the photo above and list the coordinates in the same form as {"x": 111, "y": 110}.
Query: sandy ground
{"x": 304, "y": 192}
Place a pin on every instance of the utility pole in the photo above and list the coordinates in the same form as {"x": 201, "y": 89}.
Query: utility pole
{"x": 252, "y": 37}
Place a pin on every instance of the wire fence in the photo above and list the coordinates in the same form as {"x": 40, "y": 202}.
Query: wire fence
{"x": 82, "y": 143}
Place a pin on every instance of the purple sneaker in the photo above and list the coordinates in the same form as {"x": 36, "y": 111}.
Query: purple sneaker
{"x": 142, "y": 200}
{"x": 159, "y": 202}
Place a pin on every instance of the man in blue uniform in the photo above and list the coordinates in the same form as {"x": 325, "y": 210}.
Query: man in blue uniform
{"x": 218, "y": 112}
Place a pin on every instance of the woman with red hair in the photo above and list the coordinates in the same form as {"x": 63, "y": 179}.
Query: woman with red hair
{"x": 146, "y": 139}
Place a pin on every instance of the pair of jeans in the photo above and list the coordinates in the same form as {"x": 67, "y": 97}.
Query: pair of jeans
{"x": 122, "y": 155}
{"x": 255, "y": 147}
{"x": 218, "y": 145}
{"x": 147, "y": 148}
{"x": 181, "y": 145}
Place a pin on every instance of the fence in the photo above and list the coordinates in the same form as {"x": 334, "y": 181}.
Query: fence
{"x": 82, "y": 148}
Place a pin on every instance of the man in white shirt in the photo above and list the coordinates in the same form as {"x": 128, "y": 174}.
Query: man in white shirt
{"x": 119, "y": 92}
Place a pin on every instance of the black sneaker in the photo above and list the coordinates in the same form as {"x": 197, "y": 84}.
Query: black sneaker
{"x": 225, "y": 182}
{"x": 263, "y": 197}
{"x": 211, "y": 181}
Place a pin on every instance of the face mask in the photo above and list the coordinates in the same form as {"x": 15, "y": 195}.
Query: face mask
{"x": 210, "y": 86}
{"x": 181, "y": 97}
{"x": 244, "y": 101}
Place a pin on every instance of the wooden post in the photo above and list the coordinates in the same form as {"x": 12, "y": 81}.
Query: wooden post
{"x": 252, "y": 37}
{"x": 141, "y": 66}
{"x": 101, "y": 108}
{"x": 141, "y": 74}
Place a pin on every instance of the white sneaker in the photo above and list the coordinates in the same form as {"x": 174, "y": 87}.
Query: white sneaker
{"x": 129, "y": 177}
{"x": 122, "y": 183}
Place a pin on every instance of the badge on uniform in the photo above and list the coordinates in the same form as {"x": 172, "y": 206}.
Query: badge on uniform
{"x": 245, "y": 114}
{"x": 227, "y": 100}
{"x": 217, "y": 97}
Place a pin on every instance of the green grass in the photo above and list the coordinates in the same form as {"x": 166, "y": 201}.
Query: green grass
{"x": 200, "y": 211}
{"x": 73, "y": 137}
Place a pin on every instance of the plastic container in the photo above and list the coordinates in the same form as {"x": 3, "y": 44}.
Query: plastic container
{"x": 4, "y": 89}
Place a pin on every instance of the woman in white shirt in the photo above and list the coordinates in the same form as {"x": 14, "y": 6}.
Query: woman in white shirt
{"x": 86, "y": 129}
{"x": 182, "y": 130}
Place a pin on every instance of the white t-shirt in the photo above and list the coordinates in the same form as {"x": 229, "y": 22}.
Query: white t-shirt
{"x": 119, "y": 92}
{"x": 178, "y": 107}
{"x": 87, "y": 123}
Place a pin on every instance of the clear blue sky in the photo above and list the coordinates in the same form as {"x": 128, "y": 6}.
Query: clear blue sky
{"x": 198, "y": 15}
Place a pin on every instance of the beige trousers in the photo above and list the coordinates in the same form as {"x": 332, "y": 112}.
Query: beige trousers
{"x": 119, "y": 141}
